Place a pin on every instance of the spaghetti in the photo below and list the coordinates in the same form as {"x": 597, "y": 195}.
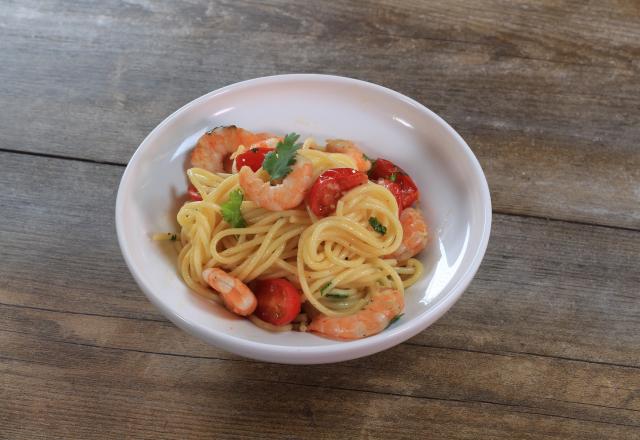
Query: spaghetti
{"x": 339, "y": 262}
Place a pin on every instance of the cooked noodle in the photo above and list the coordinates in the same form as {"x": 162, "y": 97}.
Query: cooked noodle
{"x": 337, "y": 261}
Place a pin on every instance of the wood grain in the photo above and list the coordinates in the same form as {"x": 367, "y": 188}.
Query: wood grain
{"x": 543, "y": 344}
{"x": 580, "y": 281}
{"x": 522, "y": 290}
{"x": 549, "y": 386}
{"x": 189, "y": 397}
{"x": 551, "y": 110}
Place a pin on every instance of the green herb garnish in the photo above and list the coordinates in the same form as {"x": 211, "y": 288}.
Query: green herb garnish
{"x": 377, "y": 226}
{"x": 393, "y": 177}
{"x": 278, "y": 162}
{"x": 173, "y": 237}
{"x": 324, "y": 288}
{"x": 337, "y": 295}
{"x": 394, "y": 319}
{"x": 230, "y": 210}
{"x": 325, "y": 291}
{"x": 254, "y": 150}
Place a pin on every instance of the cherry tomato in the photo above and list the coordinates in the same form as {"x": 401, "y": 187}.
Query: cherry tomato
{"x": 331, "y": 186}
{"x": 395, "y": 189}
{"x": 408, "y": 189}
{"x": 252, "y": 158}
{"x": 278, "y": 301}
{"x": 193, "y": 193}
{"x": 384, "y": 169}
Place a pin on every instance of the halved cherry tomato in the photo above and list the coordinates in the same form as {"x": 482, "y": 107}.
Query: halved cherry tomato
{"x": 331, "y": 186}
{"x": 252, "y": 158}
{"x": 395, "y": 189}
{"x": 193, "y": 193}
{"x": 408, "y": 189}
{"x": 278, "y": 301}
{"x": 384, "y": 169}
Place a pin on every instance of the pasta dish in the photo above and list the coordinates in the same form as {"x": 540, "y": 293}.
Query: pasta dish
{"x": 298, "y": 235}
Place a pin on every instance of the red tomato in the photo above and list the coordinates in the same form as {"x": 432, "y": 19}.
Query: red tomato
{"x": 331, "y": 186}
{"x": 252, "y": 158}
{"x": 193, "y": 193}
{"x": 278, "y": 301}
{"x": 395, "y": 190}
{"x": 408, "y": 189}
{"x": 384, "y": 169}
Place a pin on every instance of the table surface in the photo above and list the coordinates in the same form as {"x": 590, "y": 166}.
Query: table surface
{"x": 545, "y": 343}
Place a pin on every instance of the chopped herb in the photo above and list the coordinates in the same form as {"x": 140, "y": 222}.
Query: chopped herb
{"x": 394, "y": 319}
{"x": 337, "y": 295}
{"x": 254, "y": 150}
{"x": 377, "y": 226}
{"x": 230, "y": 210}
{"x": 325, "y": 291}
{"x": 278, "y": 162}
{"x": 393, "y": 177}
{"x": 173, "y": 237}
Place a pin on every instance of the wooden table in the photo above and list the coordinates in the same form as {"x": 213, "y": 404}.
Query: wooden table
{"x": 545, "y": 343}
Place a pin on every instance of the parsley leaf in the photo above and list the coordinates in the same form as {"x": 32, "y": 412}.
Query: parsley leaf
{"x": 278, "y": 162}
{"x": 230, "y": 210}
{"x": 337, "y": 295}
{"x": 393, "y": 177}
{"x": 394, "y": 319}
{"x": 326, "y": 292}
{"x": 377, "y": 226}
{"x": 324, "y": 288}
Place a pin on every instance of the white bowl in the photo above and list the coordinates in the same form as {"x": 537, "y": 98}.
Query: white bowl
{"x": 454, "y": 196}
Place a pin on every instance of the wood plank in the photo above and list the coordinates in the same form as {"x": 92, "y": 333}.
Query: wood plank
{"x": 548, "y": 287}
{"x": 544, "y": 344}
{"x": 551, "y": 110}
{"x": 562, "y": 388}
{"x": 186, "y": 398}
{"x": 59, "y": 241}
{"x": 60, "y": 253}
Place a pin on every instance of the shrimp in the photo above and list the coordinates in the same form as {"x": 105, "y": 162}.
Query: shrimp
{"x": 415, "y": 234}
{"x": 289, "y": 194}
{"x": 270, "y": 143}
{"x": 372, "y": 319}
{"x": 217, "y": 144}
{"x": 237, "y": 297}
{"x": 351, "y": 150}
